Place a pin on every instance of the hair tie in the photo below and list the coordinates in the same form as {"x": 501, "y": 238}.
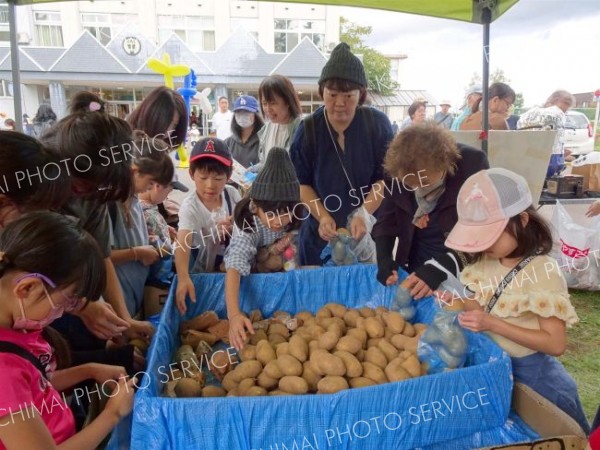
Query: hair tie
{"x": 95, "y": 106}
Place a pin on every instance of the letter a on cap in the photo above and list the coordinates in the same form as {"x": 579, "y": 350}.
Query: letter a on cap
{"x": 210, "y": 146}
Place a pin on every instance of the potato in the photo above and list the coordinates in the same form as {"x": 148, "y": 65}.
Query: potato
{"x": 289, "y": 365}
{"x": 351, "y": 316}
{"x": 255, "y": 316}
{"x": 272, "y": 370}
{"x": 328, "y": 340}
{"x": 337, "y": 310}
{"x": 332, "y": 384}
{"x": 213, "y": 391}
{"x": 277, "y": 392}
{"x": 175, "y": 374}
{"x": 366, "y": 312}
{"x": 338, "y": 326}
{"x": 170, "y": 388}
{"x": 360, "y": 355}
{"x": 409, "y": 330}
{"x": 399, "y": 341}
{"x": 359, "y": 334}
{"x": 420, "y": 328}
{"x": 360, "y": 323}
{"x": 315, "y": 330}
{"x": 293, "y": 385}
{"x": 220, "y": 363}
{"x": 255, "y": 391}
{"x": 279, "y": 328}
{"x": 259, "y": 335}
{"x": 298, "y": 348}
{"x": 265, "y": 381}
{"x": 374, "y": 342}
{"x": 404, "y": 354}
{"x": 276, "y": 339}
{"x": 310, "y": 376}
{"x": 331, "y": 365}
{"x": 265, "y": 352}
{"x": 312, "y": 346}
{"x": 388, "y": 349}
{"x": 188, "y": 387}
{"x": 412, "y": 366}
{"x": 233, "y": 393}
{"x": 395, "y": 372}
{"x": 201, "y": 322}
{"x": 349, "y": 344}
{"x": 376, "y": 356}
{"x": 284, "y": 348}
{"x": 380, "y": 310}
{"x": 374, "y": 328}
{"x": 412, "y": 344}
{"x": 353, "y": 366}
{"x": 245, "y": 384}
{"x": 247, "y": 369}
{"x": 359, "y": 382}
{"x": 229, "y": 381}
{"x": 374, "y": 373}
{"x": 305, "y": 316}
{"x": 315, "y": 356}
{"x": 394, "y": 321}
{"x": 323, "y": 313}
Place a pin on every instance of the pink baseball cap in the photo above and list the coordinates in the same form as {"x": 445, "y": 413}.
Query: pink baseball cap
{"x": 486, "y": 202}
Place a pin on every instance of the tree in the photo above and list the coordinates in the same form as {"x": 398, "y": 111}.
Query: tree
{"x": 377, "y": 66}
{"x": 498, "y": 76}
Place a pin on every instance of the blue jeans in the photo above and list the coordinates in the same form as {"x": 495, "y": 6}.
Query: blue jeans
{"x": 547, "y": 376}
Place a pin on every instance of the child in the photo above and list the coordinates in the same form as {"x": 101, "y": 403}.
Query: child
{"x": 261, "y": 218}
{"x": 528, "y": 318}
{"x": 205, "y": 216}
{"x": 48, "y": 264}
{"x": 131, "y": 250}
{"x": 160, "y": 233}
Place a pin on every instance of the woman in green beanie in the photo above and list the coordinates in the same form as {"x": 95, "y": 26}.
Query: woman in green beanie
{"x": 338, "y": 154}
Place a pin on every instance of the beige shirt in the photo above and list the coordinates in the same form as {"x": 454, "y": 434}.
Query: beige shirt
{"x": 538, "y": 290}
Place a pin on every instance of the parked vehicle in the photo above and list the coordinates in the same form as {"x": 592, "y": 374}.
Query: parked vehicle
{"x": 578, "y": 134}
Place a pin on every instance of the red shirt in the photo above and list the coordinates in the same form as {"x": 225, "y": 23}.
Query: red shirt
{"x": 23, "y": 386}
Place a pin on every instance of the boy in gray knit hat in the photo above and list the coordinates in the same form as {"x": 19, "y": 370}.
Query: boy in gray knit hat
{"x": 262, "y": 242}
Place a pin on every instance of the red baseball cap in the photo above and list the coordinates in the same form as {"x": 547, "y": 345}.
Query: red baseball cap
{"x": 214, "y": 148}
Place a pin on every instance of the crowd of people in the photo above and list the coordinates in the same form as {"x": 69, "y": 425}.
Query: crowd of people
{"x": 94, "y": 228}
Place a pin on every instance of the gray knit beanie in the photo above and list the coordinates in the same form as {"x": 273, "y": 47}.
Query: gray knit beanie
{"x": 345, "y": 65}
{"x": 276, "y": 181}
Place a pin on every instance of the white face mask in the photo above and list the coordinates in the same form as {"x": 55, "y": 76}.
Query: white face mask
{"x": 244, "y": 119}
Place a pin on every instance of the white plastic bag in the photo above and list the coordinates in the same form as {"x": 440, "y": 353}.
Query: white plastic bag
{"x": 577, "y": 249}
{"x": 365, "y": 248}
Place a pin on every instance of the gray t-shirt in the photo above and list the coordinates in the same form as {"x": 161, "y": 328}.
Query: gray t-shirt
{"x": 93, "y": 218}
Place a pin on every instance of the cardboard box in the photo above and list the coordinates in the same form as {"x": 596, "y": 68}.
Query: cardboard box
{"x": 556, "y": 428}
{"x": 154, "y": 300}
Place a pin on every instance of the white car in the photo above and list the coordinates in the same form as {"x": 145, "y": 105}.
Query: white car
{"x": 578, "y": 134}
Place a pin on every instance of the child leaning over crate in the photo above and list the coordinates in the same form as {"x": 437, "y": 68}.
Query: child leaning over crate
{"x": 205, "y": 216}
{"x": 528, "y": 317}
{"x": 262, "y": 218}
{"x": 48, "y": 266}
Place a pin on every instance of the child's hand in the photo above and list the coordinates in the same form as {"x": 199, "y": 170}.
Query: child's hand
{"x": 146, "y": 254}
{"x": 225, "y": 227}
{"x": 120, "y": 402}
{"x": 172, "y": 233}
{"x": 185, "y": 287}
{"x": 238, "y": 325}
{"x": 392, "y": 279}
{"x": 418, "y": 288}
{"x": 104, "y": 372}
{"x": 358, "y": 229}
{"x": 594, "y": 209}
{"x": 327, "y": 228}
{"x": 475, "y": 320}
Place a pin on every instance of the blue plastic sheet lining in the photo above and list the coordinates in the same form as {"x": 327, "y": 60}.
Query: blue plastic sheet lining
{"x": 403, "y": 415}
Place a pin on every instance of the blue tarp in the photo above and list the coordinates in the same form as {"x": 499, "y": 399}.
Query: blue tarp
{"x": 403, "y": 415}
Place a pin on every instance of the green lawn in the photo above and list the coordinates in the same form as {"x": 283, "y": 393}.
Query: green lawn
{"x": 582, "y": 358}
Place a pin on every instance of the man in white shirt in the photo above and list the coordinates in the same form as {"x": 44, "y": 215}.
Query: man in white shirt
{"x": 221, "y": 120}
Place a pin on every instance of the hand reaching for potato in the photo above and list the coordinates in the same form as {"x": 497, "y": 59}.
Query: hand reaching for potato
{"x": 239, "y": 325}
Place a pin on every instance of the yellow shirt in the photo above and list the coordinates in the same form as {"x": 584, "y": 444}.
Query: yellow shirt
{"x": 538, "y": 290}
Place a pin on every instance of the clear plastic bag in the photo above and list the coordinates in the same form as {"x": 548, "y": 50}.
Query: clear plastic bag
{"x": 444, "y": 344}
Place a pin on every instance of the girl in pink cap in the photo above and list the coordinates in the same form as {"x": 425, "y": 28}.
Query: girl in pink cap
{"x": 514, "y": 291}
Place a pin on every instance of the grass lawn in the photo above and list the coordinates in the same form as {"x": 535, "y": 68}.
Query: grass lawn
{"x": 582, "y": 358}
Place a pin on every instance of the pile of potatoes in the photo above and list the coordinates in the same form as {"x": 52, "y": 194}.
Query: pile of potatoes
{"x": 337, "y": 348}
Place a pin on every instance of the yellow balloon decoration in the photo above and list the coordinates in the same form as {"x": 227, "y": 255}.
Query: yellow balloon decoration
{"x": 163, "y": 66}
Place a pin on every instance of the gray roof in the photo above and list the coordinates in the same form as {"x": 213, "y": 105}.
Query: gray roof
{"x": 25, "y": 62}
{"x": 87, "y": 54}
{"x": 133, "y": 62}
{"x": 44, "y": 56}
{"x": 241, "y": 55}
{"x": 180, "y": 53}
{"x": 401, "y": 98}
{"x": 305, "y": 60}
{"x": 4, "y": 52}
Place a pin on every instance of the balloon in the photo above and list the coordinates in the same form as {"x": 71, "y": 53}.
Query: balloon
{"x": 168, "y": 70}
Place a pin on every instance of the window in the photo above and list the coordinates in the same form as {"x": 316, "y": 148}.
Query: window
{"x": 104, "y": 26}
{"x": 4, "y": 33}
{"x": 196, "y": 31}
{"x": 289, "y": 33}
{"x": 250, "y": 25}
{"x": 48, "y": 28}
{"x": 6, "y": 88}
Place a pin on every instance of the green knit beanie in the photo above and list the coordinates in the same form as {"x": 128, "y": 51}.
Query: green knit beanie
{"x": 276, "y": 181}
{"x": 345, "y": 65}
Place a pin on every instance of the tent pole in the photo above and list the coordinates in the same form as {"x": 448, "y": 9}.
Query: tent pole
{"x": 486, "y": 14}
{"x": 14, "y": 59}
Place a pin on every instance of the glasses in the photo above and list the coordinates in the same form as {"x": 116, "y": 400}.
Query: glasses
{"x": 71, "y": 304}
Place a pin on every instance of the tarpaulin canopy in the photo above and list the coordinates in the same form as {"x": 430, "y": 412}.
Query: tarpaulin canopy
{"x": 476, "y": 11}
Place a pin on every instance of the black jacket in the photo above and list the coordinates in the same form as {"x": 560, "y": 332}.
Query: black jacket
{"x": 395, "y": 215}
